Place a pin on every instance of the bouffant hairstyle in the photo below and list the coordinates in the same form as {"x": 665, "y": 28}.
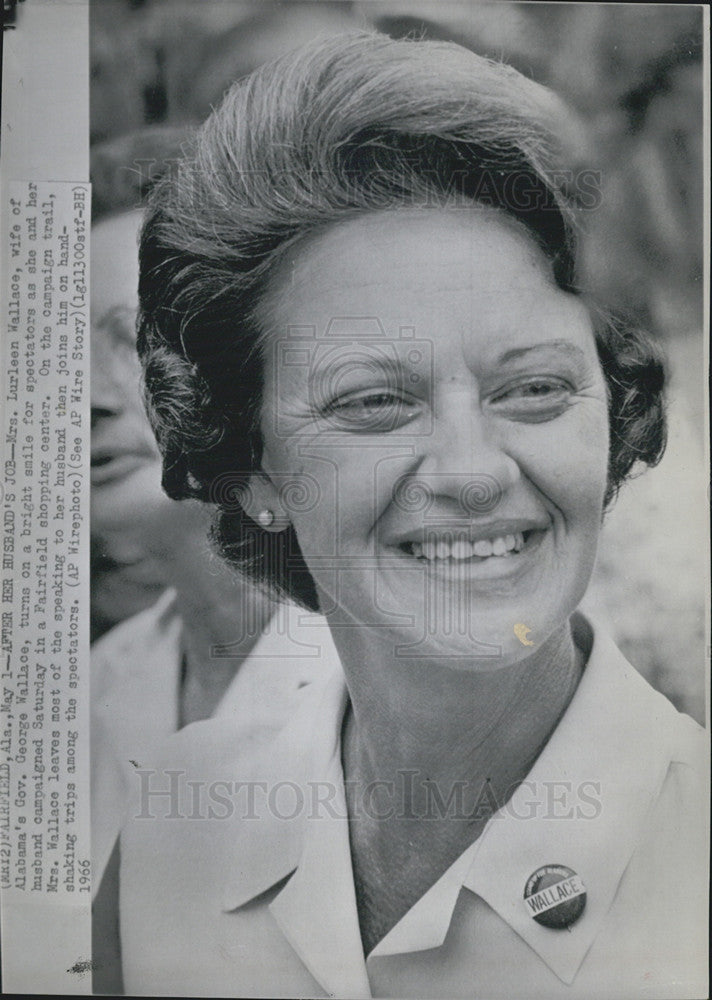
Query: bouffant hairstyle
{"x": 345, "y": 125}
{"x": 125, "y": 168}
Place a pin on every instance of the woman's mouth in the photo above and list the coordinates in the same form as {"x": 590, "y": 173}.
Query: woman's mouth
{"x": 107, "y": 467}
{"x": 443, "y": 547}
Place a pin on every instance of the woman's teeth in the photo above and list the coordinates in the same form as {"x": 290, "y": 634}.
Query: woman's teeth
{"x": 461, "y": 548}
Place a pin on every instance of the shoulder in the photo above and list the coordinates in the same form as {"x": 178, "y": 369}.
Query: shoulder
{"x": 200, "y": 813}
{"x": 688, "y": 781}
{"x": 294, "y": 651}
{"x": 183, "y": 771}
{"x": 685, "y": 741}
{"x": 673, "y": 841}
{"x": 134, "y": 677}
{"x": 157, "y": 625}
{"x": 663, "y": 903}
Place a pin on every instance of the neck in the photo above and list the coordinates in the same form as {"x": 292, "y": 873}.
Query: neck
{"x": 222, "y": 616}
{"x": 424, "y": 745}
{"x": 453, "y": 726}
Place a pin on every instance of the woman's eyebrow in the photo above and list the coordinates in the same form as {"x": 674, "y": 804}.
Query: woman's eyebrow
{"x": 365, "y": 369}
{"x": 565, "y": 346}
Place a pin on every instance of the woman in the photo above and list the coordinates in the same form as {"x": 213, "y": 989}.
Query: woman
{"x": 359, "y": 299}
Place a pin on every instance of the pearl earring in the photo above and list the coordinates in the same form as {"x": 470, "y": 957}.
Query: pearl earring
{"x": 265, "y": 518}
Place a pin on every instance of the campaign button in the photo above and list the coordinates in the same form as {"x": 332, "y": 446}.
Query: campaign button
{"x": 555, "y": 896}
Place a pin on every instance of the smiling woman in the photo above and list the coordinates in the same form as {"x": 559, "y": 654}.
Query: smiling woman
{"x": 359, "y": 308}
{"x": 512, "y": 394}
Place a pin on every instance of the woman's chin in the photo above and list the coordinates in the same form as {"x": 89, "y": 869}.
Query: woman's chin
{"x": 486, "y": 649}
{"x": 459, "y": 636}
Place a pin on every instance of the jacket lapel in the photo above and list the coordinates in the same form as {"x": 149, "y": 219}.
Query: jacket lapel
{"x": 305, "y": 834}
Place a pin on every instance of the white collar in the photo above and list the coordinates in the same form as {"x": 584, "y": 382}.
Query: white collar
{"x": 617, "y": 732}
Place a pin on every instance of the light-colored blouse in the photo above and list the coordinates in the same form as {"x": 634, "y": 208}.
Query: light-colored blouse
{"x": 135, "y": 695}
{"x": 254, "y": 895}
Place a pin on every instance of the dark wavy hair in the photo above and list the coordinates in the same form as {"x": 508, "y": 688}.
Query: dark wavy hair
{"x": 345, "y": 125}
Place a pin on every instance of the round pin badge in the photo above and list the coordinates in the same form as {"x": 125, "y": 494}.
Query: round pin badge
{"x": 555, "y": 896}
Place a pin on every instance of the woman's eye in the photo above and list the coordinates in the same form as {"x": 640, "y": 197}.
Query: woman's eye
{"x": 375, "y": 411}
{"x": 537, "y": 398}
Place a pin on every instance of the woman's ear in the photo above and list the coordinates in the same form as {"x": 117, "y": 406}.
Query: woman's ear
{"x": 261, "y": 501}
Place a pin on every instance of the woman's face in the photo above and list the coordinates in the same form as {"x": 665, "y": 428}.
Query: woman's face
{"x": 440, "y": 403}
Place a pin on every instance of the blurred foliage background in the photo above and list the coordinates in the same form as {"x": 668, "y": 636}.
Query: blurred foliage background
{"x": 634, "y": 75}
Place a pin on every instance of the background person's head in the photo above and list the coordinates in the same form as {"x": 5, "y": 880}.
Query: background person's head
{"x": 125, "y": 474}
{"x": 138, "y": 535}
{"x": 134, "y": 526}
{"x": 345, "y": 128}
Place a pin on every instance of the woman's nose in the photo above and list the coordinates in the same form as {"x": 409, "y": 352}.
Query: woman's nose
{"x": 106, "y": 399}
{"x": 108, "y": 395}
{"x": 465, "y": 460}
